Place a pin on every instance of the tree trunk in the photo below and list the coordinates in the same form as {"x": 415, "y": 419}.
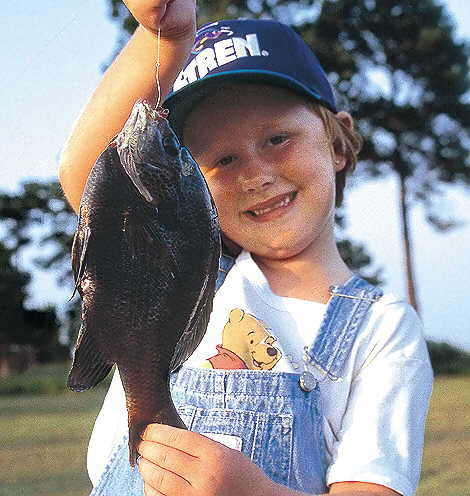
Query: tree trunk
{"x": 4, "y": 363}
{"x": 407, "y": 244}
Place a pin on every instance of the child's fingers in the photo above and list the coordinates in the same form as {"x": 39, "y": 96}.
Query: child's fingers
{"x": 190, "y": 442}
{"x": 150, "y": 491}
{"x": 169, "y": 458}
{"x": 160, "y": 480}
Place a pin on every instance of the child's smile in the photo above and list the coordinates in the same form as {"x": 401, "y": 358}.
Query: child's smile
{"x": 268, "y": 164}
{"x": 273, "y": 208}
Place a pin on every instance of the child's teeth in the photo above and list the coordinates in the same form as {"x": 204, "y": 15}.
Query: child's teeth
{"x": 282, "y": 203}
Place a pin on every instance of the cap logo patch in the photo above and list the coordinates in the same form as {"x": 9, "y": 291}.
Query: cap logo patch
{"x": 209, "y": 34}
{"x": 222, "y": 52}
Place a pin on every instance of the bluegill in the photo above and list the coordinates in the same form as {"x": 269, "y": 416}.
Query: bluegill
{"x": 145, "y": 260}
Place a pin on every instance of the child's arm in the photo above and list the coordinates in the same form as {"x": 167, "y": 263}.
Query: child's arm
{"x": 131, "y": 76}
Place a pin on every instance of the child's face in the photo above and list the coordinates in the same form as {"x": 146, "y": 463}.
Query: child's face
{"x": 268, "y": 163}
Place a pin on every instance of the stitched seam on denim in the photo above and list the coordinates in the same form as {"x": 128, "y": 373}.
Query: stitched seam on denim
{"x": 357, "y": 311}
{"x": 241, "y": 395}
{"x": 321, "y": 354}
{"x": 232, "y": 412}
{"x": 255, "y": 437}
{"x": 321, "y": 348}
{"x": 323, "y": 333}
{"x": 337, "y": 364}
{"x": 329, "y": 317}
{"x": 355, "y": 319}
{"x": 350, "y": 330}
{"x": 333, "y": 345}
{"x": 291, "y": 449}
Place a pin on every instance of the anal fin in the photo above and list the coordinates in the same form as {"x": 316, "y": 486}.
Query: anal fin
{"x": 89, "y": 367}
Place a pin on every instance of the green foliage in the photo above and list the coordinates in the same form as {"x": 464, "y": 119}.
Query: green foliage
{"x": 19, "y": 325}
{"x": 40, "y": 204}
{"x": 43, "y": 379}
{"x": 447, "y": 359}
{"x": 12, "y": 294}
{"x": 357, "y": 258}
{"x": 37, "y": 216}
{"x": 50, "y": 378}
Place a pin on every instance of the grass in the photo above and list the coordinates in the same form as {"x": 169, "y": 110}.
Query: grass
{"x": 44, "y": 436}
{"x": 44, "y": 440}
{"x": 447, "y": 444}
{"x": 48, "y": 379}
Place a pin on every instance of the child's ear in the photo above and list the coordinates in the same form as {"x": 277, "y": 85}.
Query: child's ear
{"x": 347, "y": 121}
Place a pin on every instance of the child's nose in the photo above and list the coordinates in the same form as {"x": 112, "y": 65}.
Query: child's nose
{"x": 255, "y": 175}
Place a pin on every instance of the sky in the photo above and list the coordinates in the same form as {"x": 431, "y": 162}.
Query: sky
{"x": 51, "y": 59}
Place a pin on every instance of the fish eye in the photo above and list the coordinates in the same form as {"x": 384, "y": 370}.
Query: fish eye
{"x": 170, "y": 145}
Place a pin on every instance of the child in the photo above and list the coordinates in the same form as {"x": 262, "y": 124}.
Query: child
{"x": 309, "y": 380}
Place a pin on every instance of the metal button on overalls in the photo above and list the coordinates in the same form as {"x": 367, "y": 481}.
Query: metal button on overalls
{"x": 307, "y": 382}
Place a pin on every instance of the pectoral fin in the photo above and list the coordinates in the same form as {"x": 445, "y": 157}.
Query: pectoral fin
{"x": 152, "y": 230}
{"x": 79, "y": 251}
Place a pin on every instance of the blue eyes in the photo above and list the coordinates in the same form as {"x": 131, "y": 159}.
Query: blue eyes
{"x": 274, "y": 141}
{"x": 277, "y": 140}
{"x": 225, "y": 161}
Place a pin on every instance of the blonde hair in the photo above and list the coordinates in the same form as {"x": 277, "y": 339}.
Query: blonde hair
{"x": 343, "y": 141}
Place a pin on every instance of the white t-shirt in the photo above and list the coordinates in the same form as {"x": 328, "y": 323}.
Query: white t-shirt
{"x": 373, "y": 417}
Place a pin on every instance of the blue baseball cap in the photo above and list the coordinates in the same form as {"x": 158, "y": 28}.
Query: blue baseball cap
{"x": 251, "y": 50}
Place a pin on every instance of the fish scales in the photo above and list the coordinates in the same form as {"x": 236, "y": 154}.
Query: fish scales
{"x": 145, "y": 258}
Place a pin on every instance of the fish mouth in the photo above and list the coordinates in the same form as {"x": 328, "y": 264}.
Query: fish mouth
{"x": 141, "y": 116}
{"x": 127, "y": 142}
{"x": 275, "y": 203}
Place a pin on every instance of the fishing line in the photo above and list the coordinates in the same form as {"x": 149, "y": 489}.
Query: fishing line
{"x": 157, "y": 72}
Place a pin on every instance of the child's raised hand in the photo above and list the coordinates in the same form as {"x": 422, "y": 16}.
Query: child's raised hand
{"x": 176, "y": 18}
{"x": 177, "y": 462}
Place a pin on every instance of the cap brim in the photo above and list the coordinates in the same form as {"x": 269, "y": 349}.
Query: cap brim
{"x": 181, "y": 102}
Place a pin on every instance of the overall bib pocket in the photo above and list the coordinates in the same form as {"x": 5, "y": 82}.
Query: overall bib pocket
{"x": 266, "y": 438}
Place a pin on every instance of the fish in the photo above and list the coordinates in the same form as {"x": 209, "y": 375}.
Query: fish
{"x": 145, "y": 260}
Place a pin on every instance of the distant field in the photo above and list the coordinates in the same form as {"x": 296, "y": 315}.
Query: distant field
{"x": 447, "y": 447}
{"x": 44, "y": 438}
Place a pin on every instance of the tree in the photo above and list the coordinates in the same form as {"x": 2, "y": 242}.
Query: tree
{"x": 12, "y": 295}
{"x": 27, "y": 329}
{"x": 416, "y": 122}
{"x": 36, "y": 205}
{"x": 40, "y": 204}
{"x": 404, "y": 77}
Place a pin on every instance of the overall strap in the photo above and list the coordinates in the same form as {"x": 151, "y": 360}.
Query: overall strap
{"x": 226, "y": 262}
{"x": 344, "y": 314}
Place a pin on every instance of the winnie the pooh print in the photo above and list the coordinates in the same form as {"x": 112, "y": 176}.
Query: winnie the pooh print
{"x": 246, "y": 344}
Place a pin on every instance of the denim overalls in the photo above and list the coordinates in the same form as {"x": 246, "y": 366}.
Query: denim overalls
{"x": 274, "y": 417}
